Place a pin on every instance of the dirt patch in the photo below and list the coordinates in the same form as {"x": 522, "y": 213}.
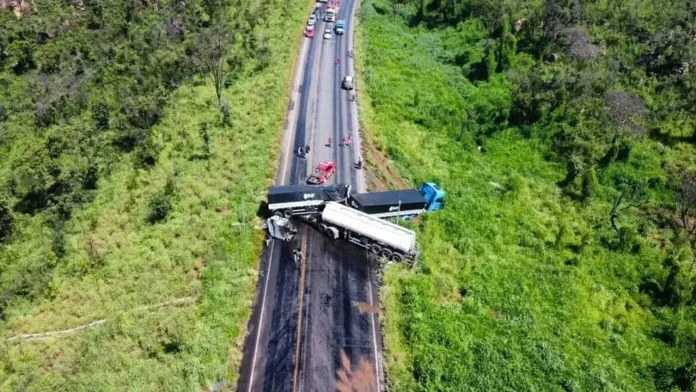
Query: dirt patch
{"x": 201, "y": 263}
{"x": 18, "y": 7}
{"x": 364, "y": 307}
{"x": 382, "y": 175}
{"x": 359, "y": 379}
{"x": 657, "y": 237}
{"x": 455, "y": 297}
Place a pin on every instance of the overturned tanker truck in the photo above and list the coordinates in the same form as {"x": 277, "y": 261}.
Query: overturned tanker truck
{"x": 381, "y": 237}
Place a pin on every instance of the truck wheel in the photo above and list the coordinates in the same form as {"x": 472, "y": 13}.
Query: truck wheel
{"x": 376, "y": 249}
{"x": 322, "y": 228}
{"x": 287, "y": 214}
{"x": 386, "y": 253}
{"x": 332, "y": 232}
{"x": 397, "y": 258}
{"x": 278, "y": 213}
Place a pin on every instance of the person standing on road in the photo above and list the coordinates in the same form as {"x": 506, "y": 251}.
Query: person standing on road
{"x": 297, "y": 255}
{"x": 360, "y": 162}
{"x": 338, "y": 60}
{"x": 330, "y": 141}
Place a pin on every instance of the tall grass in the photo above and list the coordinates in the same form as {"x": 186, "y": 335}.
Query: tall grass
{"x": 206, "y": 247}
{"x": 518, "y": 288}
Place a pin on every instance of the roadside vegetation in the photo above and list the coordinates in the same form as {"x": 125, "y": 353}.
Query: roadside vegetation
{"x": 564, "y": 259}
{"x": 136, "y": 139}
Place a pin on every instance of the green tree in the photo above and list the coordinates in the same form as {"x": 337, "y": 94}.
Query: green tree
{"x": 212, "y": 49}
{"x": 508, "y": 44}
{"x": 161, "y": 204}
{"x": 3, "y": 120}
{"x": 95, "y": 13}
{"x": 686, "y": 197}
{"x": 100, "y": 115}
{"x": 589, "y": 185}
{"x": 205, "y": 135}
{"x": 5, "y": 220}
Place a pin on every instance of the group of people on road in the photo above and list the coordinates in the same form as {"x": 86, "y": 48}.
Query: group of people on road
{"x": 345, "y": 141}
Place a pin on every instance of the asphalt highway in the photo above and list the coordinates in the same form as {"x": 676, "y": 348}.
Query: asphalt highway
{"x": 314, "y": 325}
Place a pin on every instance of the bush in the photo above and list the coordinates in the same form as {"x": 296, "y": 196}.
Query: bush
{"x": 100, "y": 115}
{"x": 147, "y": 153}
{"x": 589, "y": 184}
{"x": 161, "y": 204}
{"x": 5, "y": 220}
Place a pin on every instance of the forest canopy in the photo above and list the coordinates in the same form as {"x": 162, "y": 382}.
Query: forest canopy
{"x": 564, "y": 133}
{"x": 129, "y": 159}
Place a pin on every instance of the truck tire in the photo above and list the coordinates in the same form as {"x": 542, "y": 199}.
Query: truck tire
{"x": 278, "y": 213}
{"x": 376, "y": 249}
{"x": 332, "y": 232}
{"x": 386, "y": 253}
{"x": 397, "y": 257}
{"x": 287, "y": 213}
{"x": 322, "y": 228}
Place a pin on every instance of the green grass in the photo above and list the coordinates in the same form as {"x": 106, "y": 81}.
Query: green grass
{"x": 519, "y": 288}
{"x": 207, "y": 248}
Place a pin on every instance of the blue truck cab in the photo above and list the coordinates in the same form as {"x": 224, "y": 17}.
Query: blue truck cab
{"x": 434, "y": 196}
{"x": 340, "y": 26}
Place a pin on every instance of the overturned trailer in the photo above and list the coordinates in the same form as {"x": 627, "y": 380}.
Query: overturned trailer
{"x": 280, "y": 228}
{"x": 289, "y": 200}
{"x": 406, "y": 203}
{"x": 381, "y": 237}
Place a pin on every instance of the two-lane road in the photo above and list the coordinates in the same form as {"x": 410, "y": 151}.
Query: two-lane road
{"x": 314, "y": 326}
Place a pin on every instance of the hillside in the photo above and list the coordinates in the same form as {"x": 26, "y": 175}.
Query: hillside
{"x": 136, "y": 139}
{"x": 563, "y": 260}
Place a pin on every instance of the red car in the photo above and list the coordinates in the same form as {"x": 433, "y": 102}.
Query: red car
{"x": 322, "y": 173}
{"x": 309, "y": 32}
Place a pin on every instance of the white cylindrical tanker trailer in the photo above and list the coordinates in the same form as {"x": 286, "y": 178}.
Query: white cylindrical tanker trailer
{"x": 381, "y": 237}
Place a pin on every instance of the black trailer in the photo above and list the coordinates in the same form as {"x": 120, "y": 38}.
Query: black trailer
{"x": 406, "y": 202}
{"x": 289, "y": 200}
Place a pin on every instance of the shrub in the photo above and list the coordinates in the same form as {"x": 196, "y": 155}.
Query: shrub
{"x": 100, "y": 115}
{"x": 161, "y": 204}
{"x": 147, "y": 153}
{"x": 589, "y": 184}
{"x": 5, "y": 220}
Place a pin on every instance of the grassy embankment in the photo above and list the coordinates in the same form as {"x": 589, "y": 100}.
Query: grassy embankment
{"x": 520, "y": 286}
{"x": 206, "y": 249}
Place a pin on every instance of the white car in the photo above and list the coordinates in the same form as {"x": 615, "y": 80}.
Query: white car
{"x": 312, "y": 20}
{"x": 327, "y": 34}
{"x": 348, "y": 83}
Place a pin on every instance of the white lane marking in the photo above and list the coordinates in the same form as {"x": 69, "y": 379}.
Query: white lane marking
{"x": 291, "y": 131}
{"x": 260, "y": 326}
{"x": 292, "y": 117}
